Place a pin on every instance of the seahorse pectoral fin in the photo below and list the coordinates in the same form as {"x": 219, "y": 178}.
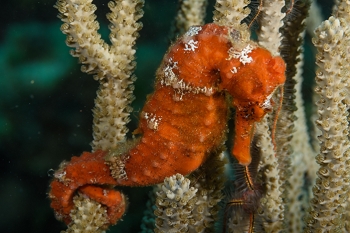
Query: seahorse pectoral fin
{"x": 137, "y": 131}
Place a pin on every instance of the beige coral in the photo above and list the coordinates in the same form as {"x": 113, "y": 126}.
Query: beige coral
{"x": 88, "y": 216}
{"x": 112, "y": 65}
{"x": 332, "y": 184}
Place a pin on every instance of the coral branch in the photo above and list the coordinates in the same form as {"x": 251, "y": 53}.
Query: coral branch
{"x": 332, "y": 184}
{"x": 88, "y": 216}
{"x": 191, "y": 13}
{"x": 271, "y": 21}
{"x": 111, "y": 65}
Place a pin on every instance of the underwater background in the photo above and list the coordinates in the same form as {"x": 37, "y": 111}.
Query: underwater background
{"x": 46, "y": 102}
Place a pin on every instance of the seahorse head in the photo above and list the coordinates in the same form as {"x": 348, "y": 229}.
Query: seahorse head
{"x": 251, "y": 74}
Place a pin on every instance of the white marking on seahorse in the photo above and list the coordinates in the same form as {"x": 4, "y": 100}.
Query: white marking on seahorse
{"x": 242, "y": 55}
{"x": 152, "y": 120}
{"x": 191, "y": 45}
{"x": 194, "y": 30}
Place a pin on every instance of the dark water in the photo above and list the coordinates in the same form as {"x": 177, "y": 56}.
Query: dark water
{"x": 46, "y": 102}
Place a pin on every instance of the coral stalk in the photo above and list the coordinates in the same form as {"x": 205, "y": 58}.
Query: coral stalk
{"x": 332, "y": 185}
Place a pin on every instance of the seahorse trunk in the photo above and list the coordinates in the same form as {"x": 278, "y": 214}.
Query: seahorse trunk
{"x": 177, "y": 136}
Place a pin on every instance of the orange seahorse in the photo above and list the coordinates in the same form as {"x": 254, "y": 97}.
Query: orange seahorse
{"x": 183, "y": 121}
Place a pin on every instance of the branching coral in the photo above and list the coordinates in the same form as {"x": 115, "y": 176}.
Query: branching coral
{"x": 210, "y": 69}
{"x": 328, "y": 207}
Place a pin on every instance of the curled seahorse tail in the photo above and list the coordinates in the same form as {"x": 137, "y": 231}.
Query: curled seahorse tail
{"x": 114, "y": 200}
{"x": 87, "y": 174}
